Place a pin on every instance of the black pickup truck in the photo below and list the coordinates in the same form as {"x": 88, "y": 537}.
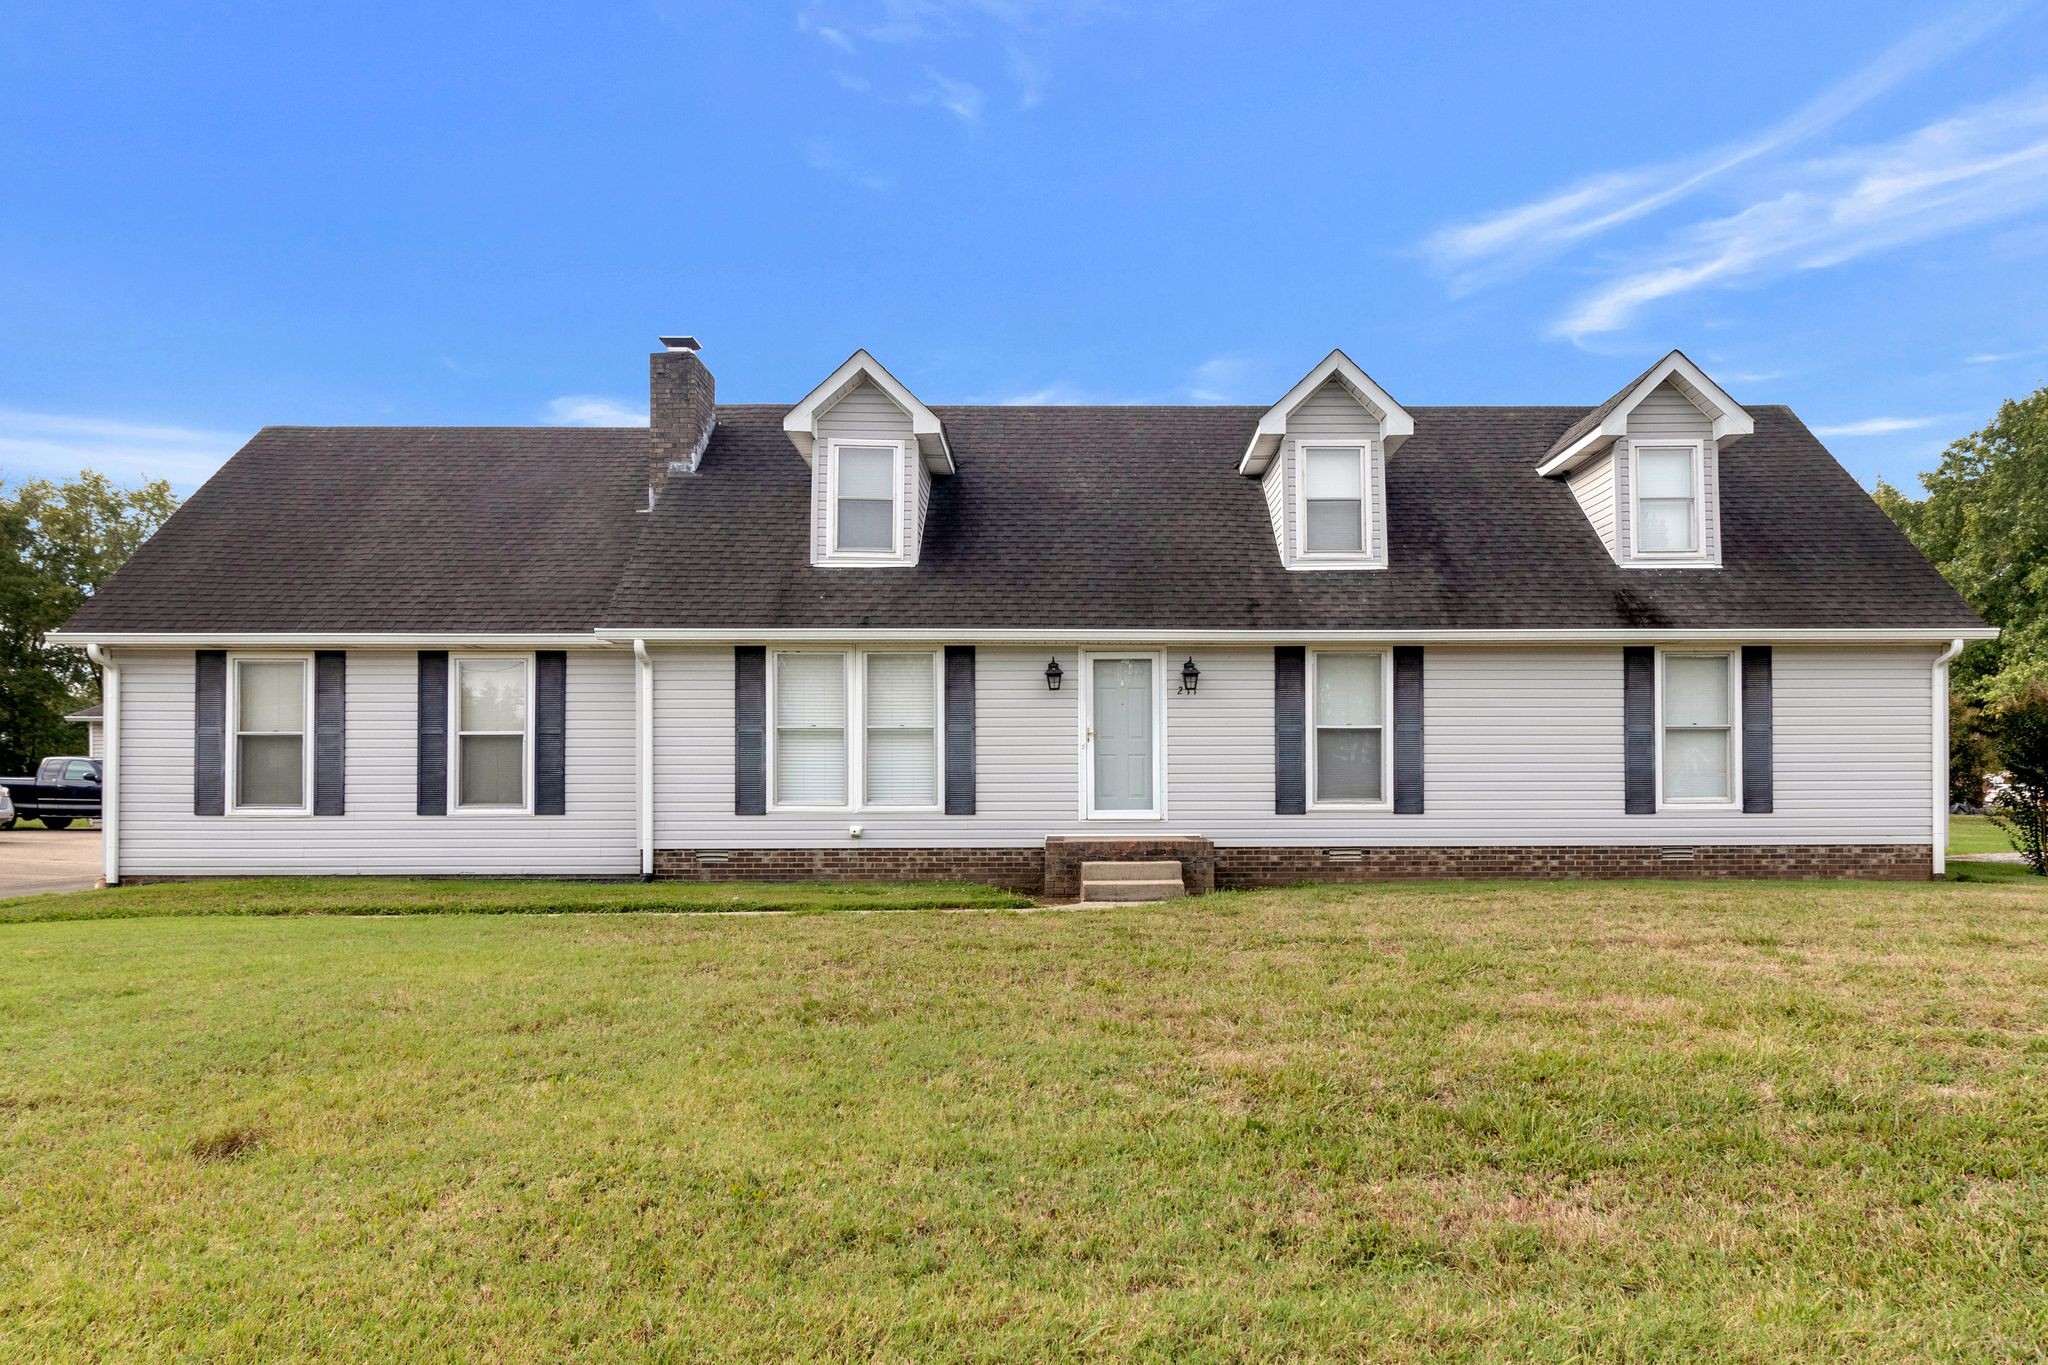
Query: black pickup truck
{"x": 64, "y": 789}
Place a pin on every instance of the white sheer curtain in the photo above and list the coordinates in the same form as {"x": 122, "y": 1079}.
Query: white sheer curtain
{"x": 1350, "y": 727}
{"x": 810, "y": 729}
{"x": 1698, "y": 728}
{"x": 902, "y": 759}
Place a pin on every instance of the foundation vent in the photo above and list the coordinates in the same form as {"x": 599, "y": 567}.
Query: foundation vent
{"x": 1345, "y": 855}
{"x": 1676, "y": 855}
{"x": 712, "y": 856}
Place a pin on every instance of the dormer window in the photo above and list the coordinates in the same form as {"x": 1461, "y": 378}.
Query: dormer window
{"x": 875, "y": 454}
{"x": 1320, "y": 455}
{"x": 1334, "y": 480}
{"x": 1667, "y": 485}
{"x": 1645, "y": 466}
{"x": 867, "y": 498}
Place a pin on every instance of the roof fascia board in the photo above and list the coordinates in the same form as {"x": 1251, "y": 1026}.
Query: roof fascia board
{"x": 1396, "y": 426}
{"x": 1728, "y": 417}
{"x": 800, "y": 423}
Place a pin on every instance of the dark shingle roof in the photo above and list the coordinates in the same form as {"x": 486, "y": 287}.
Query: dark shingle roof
{"x": 392, "y": 529}
{"x": 1059, "y": 518}
{"x": 1593, "y": 419}
{"x": 1135, "y": 518}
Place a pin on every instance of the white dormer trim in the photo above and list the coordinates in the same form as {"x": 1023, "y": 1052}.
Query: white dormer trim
{"x": 1727, "y": 416}
{"x": 800, "y": 424}
{"x": 1396, "y": 426}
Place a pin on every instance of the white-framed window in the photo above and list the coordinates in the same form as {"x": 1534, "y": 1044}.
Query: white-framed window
{"x": 1349, "y": 758}
{"x": 900, "y": 748}
{"x": 854, "y": 730}
{"x": 1698, "y": 697}
{"x": 490, "y": 701}
{"x": 865, "y": 513}
{"x": 270, "y": 716}
{"x": 1336, "y": 495}
{"x": 1666, "y": 490}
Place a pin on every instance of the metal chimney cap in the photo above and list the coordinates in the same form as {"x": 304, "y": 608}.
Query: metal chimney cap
{"x": 680, "y": 343}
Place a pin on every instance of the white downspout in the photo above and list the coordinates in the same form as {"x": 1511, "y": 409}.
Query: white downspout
{"x": 110, "y": 764}
{"x": 1940, "y": 716}
{"x": 643, "y": 733}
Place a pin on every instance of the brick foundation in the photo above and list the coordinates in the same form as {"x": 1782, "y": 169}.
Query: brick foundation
{"x": 1246, "y": 867}
{"x": 1064, "y": 856}
{"x": 1055, "y": 871}
{"x": 1018, "y": 869}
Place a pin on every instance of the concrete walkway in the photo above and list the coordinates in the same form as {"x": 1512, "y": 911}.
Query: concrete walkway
{"x": 33, "y": 860}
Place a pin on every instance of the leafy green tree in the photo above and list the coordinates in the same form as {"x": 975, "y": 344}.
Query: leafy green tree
{"x": 2019, "y": 730}
{"x": 58, "y": 543}
{"x": 1984, "y": 523}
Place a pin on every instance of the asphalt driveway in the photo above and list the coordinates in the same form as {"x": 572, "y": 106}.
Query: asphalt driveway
{"x": 33, "y": 860}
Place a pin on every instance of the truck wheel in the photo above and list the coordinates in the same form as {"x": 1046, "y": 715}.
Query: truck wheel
{"x": 60, "y": 822}
{"x": 6, "y": 824}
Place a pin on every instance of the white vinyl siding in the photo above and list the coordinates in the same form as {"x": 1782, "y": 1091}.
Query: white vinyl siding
{"x": 1667, "y": 417}
{"x": 1593, "y": 485}
{"x": 1524, "y": 747}
{"x": 1330, "y": 416}
{"x": 381, "y": 833}
{"x": 866, "y": 414}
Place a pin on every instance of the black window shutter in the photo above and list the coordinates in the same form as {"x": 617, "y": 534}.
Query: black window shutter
{"x": 550, "y": 732}
{"x": 1757, "y": 779}
{"x": 1290, "y": 737}
{"x": 1639, "y": 728}
{"x": 209, "y": 732}
{"x": 1408, "y": 730}
{"x": 432, "y": 763}
{"x": 330, "y": 707}
{"x": 959, "y": 729}
{"x": 750, "y": 730}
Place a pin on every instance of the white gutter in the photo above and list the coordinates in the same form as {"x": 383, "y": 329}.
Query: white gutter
{"x": 1940, "y": 717}
{"x": 1066, "y": 638}
{"x": 202, "y": 639}
{"x": 643, "y": 735}
{"x": 110, "y": 764}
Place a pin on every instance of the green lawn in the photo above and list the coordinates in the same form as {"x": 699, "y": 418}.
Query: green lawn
{"x": 1976, "y": 834}
{"x": 456, "y": 895}
{"x": 1486, "y": 1121}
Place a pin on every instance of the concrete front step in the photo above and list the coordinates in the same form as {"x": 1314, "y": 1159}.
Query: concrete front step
{"x": 1126, "y": 890}
{"x": 1159, "y": 871}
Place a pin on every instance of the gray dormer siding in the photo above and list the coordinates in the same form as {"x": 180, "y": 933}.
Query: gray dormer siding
{"x": 1330, "y": 414}
{"x": 1668, "y": 415}
{"x": 867, "y": 414}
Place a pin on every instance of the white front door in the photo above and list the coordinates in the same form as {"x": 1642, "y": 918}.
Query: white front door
{"x": 1122, "y": 737}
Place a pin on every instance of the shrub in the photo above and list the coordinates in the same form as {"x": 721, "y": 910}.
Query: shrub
{"x": 2019, "y": 731}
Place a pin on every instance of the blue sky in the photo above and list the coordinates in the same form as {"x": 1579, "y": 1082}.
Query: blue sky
{"x": 219, "y": 216}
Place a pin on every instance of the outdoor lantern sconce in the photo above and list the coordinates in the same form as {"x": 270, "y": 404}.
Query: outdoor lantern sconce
{"x": 1052, "y": 675}
{"x": 1189, "y": 676}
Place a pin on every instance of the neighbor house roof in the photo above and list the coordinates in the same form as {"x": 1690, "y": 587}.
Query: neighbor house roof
{"x": 1059, "y": 519}
{"x": 97, "y": 711}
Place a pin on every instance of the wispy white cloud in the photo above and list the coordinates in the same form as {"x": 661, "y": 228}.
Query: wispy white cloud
{"x": 1516, "y": 239}
{"x": 1051, "y": 396}
{"x": 962, "y": 99}
{"x": 592, "y": 410}
{"x": 53, "y": 445}
{"x": 1985, "y": 163}
{"x": 828, "y": 159}
{"x": 1223, "y": 379}
{"x": 994, "y": 40}
{"x": 2001, "y": 357}
{"x": 1877, "y": 426}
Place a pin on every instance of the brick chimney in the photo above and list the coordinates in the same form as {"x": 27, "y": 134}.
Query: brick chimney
{"x": 681, "y": 412}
